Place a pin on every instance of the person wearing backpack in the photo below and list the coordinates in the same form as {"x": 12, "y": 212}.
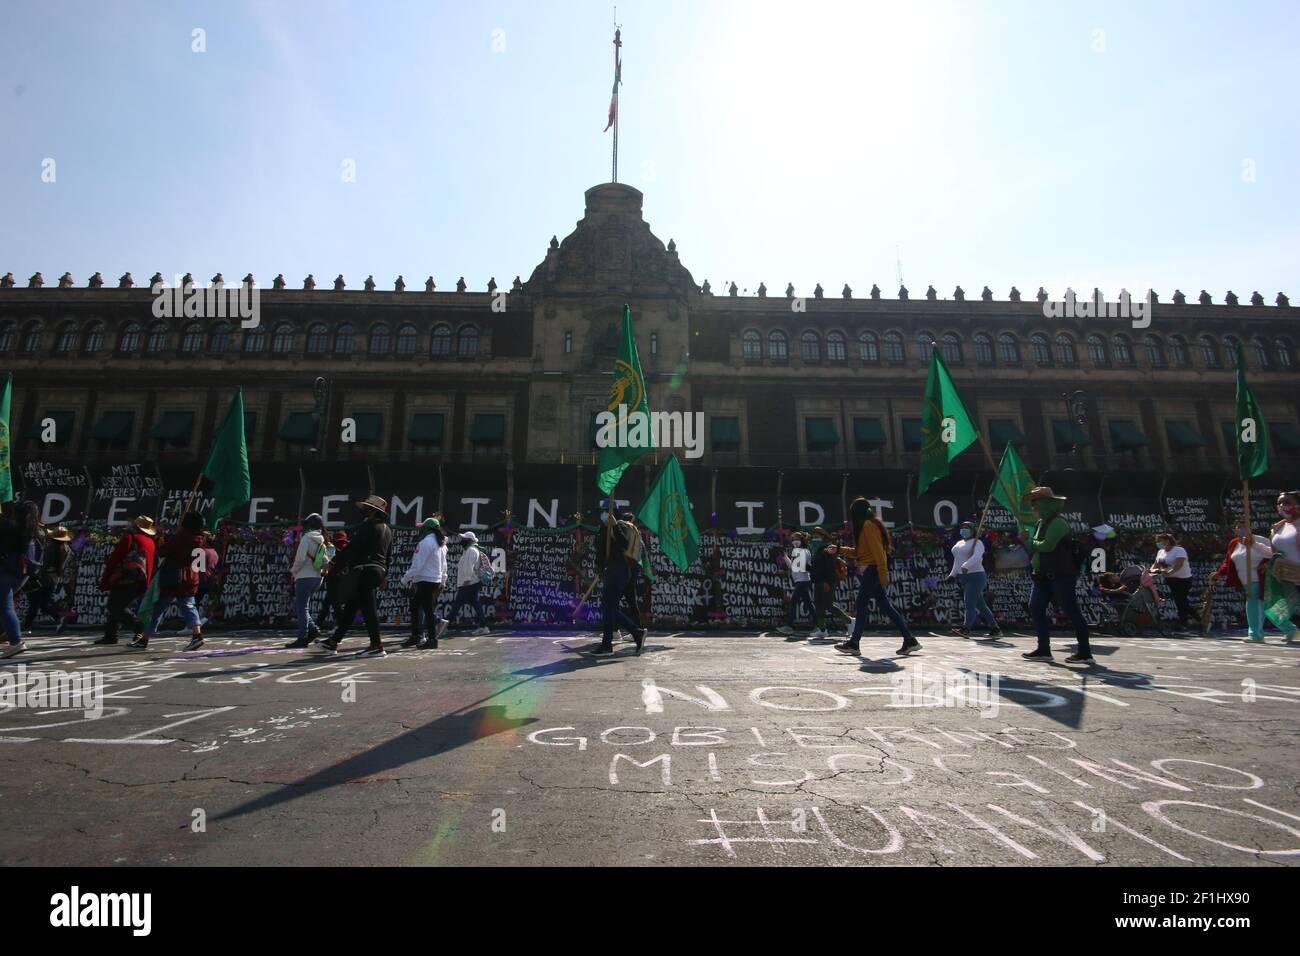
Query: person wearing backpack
{"x": 474, "y": 566}
{"x": 618, "y": 547}
{"x": 126, "y": 577}
{"x": 52, "y": 574}
{"x": 1057, "y": 557}
{"x": 17, "y": 558}
{"x": 178, "y": 580}
{"x": 367, "y": 556}
{"x": 308, "y": 561}
{"x": 871, "y": 552}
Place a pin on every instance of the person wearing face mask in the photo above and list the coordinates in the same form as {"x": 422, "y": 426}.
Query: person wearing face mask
{"x": 968, "y": 571}
{"x": 1282, "y": 585}
{"x": 1173, "y": 566}
{"x": 872, "y": 548}
{"x": 1055, "y": 573}
{"x": 1234, "y": 568}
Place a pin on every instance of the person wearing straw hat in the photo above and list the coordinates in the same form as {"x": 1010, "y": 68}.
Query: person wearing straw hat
{"x": 367, "y": 558}
{"x": 126, "y": 577}
{"x": 1055, "y": 574}
{"x": 968, "y": 571}
{"x": 55, "y": 565}
{"x": 178, "y": 580}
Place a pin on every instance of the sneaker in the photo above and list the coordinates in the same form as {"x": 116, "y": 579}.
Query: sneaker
{"x": 962, "y": 633}
{"x": 298, "y": 645}
{"x": 439, "y": 632}
{"x": 1292, "y": 638}
{"x": 59, "y": 628}
{"x": 603, "y": 649}
{"x": 104, "y": 641}
{"x": 909, "y": 647}
{"x": 327, "y": 646}
{"x": 141, "y": 643}
{"x": 848, "y": 647}
{"x": 1080, "y": 659}
{"x": 412, "y": 641}
{"x": 195, "y": 643}
{"x": 1253, "y": 639}
{"x": 818, "y": 635}
{"x": 785, "y": 629}
{"x": 638, "y": 638}
{"x": 480, "y": 631}
{"x": 13, "y": 650}
{"x": 374, "y": 651}
{"x": 1037, "y": 655}
{"x": 994, "y": 634}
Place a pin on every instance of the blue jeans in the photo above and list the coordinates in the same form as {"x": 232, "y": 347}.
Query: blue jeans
{"x": 1059, "y": 591}
{"x": 802, "y": 596}
{"x": 617, "y": 576}
{"x": 9, "y": 586}
{"x": 303, "y": 591}
{"x": 467, "y": 595}
{"x": 973, "y": 584}
{"x": 184, "y": 604}
{"x": 870, "y": 590}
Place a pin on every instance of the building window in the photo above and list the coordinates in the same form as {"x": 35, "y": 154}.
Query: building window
{"x": 440, "y": 344}
{"x": 32, "y": 338}
{"x": 894, "y": 352}
{"x": 66, "y": 341}
{"x": 868, "y": 348}
{"x": 1263, "y": 355}
{"x": 1123, "y": 350}
{"x": 835, "y": 348}
{"x": 156, "y": 342}
{"x": 568, "y": 343}
{"x": 654, "y": 343}
{"x": 983, "y": 349}
{"x": 1210, "y": 352}
{"x": 1097, "y": 351}
{"x": 129, "y": 340}
{"x": 1178, "y": 352}
{"x": 777, "y": 346}
{"x": 751, "y": 344}
{"x": 950, "y": 348}
{"x": 426, "y": 431}
{"x": 1065, "y": 350}
{"x": 255, "y": 341}
{"x": 94, "y": 340}
{"x": 7, "y": 337}
{"x": 220, "y": 340}
{"x": 380, "y": 341}
{"x": 724, "y": 433}
{"x": 1155, "y": 351}
{"x": 1285, "y": 354}
{"x": 192, "y": 339}
{"x": 810, "y": 347}
{"x": 345, "y": 339}
{"x": 406, "y": 340}
{"x": 1040, "y": 349}
{"x": 488, "y": 433}
{"x": 318, "y": 339}
{"x": 282, "y": 340}
{"x": 467, "y": 341}
{"x": 1008, "y": 349}
{"x": 924, "y": 343}
{"x": 1231, "y": 344}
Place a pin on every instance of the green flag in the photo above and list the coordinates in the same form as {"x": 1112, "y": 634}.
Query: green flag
{"x": 147, "y": 604}
{"x": 946, "y": 427}
{"x": 667, "y": 512}
{"x": 227, "y": 465}
{"x": 6, "y": 473}
{"x": 1013, "y": 479}
{"x": 629, "y": 436}
{"x": 1252, "y": 433}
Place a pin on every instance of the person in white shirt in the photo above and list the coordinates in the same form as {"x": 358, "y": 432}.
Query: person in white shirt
{"x": 968, "y": 570}
{"x": 427, "y": 572}
{"x": 797, "y": 562}
{"x": 469, "y": 582}
{"x": 307, "y": 579}
{"x": 1246, "y": 571}
{"x": 1283, "y": 596}
{"x": 1173, "y": 566}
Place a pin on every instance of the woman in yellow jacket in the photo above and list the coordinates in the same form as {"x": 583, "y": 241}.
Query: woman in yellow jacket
{"x": 872, "y": 549}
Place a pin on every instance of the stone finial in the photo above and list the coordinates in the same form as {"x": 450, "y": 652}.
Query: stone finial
{"x": 959, "y": 294}
{"x": 672, "y": 246}
{"x": 7, "y": 281}
{"x": 1256, "y": 298}
{"x": 846, "y": 293}
{"x": 789, "y": 290}
{"x": 1014, "y": 295}
{"x": 309, "y": 283}
{"x": 369, "y": 284}
{"x": 248, "y": 281}
{"x": 762, "y": 291}
{"x": 1230, "y": 298}
{"x": 218, "y": 280}
{"x": 36, "y": 281}
{"x": 875, "y": 291}
{"x": 187, "y": 281}
{"x": 278, "y": 282}
{"x": 705, "y": 289}
{"x": 399, "y": 285}
{"x": 1281, "y": 300}
{"x": 155, "y": 280}
{"x": 555, "y": 243}
{"x": 930, "y": 294}
{"x": 732, "y": 290}
{"x": 1204, "y": 298}
{"x": 987, "y": 294}
{"x": 428, "y": 284}
{"x": 65, "y": 281}
{"x": 339, "y": 284}
{"x": 818, "y": 293}
{"x": 1152, "y": 298}
{"x": 1041, "y": 295}
{"x": 460, "y": 284}
{"x": 1179, "y": 298}
{"x": 492, "y": 285}
{"x": 902, "y": 293}
{"x": 96, "y": 281}
{"x": 126, "y": 281}
{"x": 518, "y": 285}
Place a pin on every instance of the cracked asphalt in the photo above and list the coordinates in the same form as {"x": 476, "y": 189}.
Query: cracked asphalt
{"x": 708, "y": 749}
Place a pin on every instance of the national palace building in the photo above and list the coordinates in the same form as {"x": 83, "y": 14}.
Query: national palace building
{"x": 833, "y": 381}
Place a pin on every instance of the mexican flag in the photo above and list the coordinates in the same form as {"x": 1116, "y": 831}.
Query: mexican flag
{"x": 946, "y": 427}
{"x": 633, "y": 436}
{"x": 667, "y": 512}
{"x": 618, "y": 79}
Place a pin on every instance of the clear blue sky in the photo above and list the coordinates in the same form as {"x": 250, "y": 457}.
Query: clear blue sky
{"x": 999, "y": 142}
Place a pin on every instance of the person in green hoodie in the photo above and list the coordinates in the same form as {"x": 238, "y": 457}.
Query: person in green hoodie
{"x": 1055, "y": 574}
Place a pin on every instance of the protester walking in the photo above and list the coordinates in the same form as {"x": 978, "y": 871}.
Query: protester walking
{"x": 428, "y": 573}
{"x": 1247, "y": 575}
{"x": 55, "y": 573}
{"x": 968, "y": 571}
{"x": 473, "y": 567}
{"x": 1055, "y": 572}
{"x": 797, "y": 562}
{"x": 823, "y": 573}
{"x": 312, "y": 556}
{"x": 126, "y": 577}
{"x": 872, "y": 549}
{"x": 367, "y": 556}
{"x": 1282, "y": 591}
{"x": 1175, "y": 569}
{"x": 334, "y": 572}
{"x": 178, "y": 580}
{"x": 617, "y": 554}
{"x": 17, "y": 555}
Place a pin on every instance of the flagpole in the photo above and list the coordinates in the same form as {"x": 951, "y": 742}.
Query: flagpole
{"x": 618, "y": 42}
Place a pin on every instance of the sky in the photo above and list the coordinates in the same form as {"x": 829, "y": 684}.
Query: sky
{"x": 1107, "y": 144}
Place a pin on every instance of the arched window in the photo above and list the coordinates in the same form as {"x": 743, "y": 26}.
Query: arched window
{"x": 1065, "y": 350}
{"x": 380, "y": 340}
{"x": 751, "y": 345}
{"x": 345, "y": 339}
{"x": 406, "y": 340}
{"x": 1263, "y": 354}
{"x": 156, "y": 341}
{"x": 1211, "y": 354}
{"x": 255, "y": 340}
{"x": 66, "y": 340}
{"x": 1097, "y": 351}
{"x": 282, "y": 340}
{"x": 835, "y": 348}
{"x": 1008, "y": 349}
{"x": 467, "y": 341}
{"x": 1285, "y": 353}
{"x": 983, "y": 349}
{"x": 318, "y": 339}
{"x": 950, "y": 348}
{"x": 94, "y": 340}
{"x": 895, "y": 354}
{"x": 1123, "y": 350}
{"x": 128, "y": 340}
{"x": 777, "y": 348}
{"x": 6, "y": 337}
{"x": 32, "y": 337}
{"x": 1155, "y": 351}
{"x": 1178, "y": 352}
{"x": 1040, "y": 349}
{"x": 440, "y": 343}
{"x": 220, "y": 339}
{"x": 1230, "y": 344}
{"x": 810, "y": 346}
{"x": 924, "y": 343}
{"x": 869, "y": 347}
{"x": 192, "y": 339}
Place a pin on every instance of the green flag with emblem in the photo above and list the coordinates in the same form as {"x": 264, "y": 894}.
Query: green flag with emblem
{"x": 946, "y": 426}
{"x": 630, "y": 435}
{"x": 1013, "y": 479}
{"x": 667, "y": 512}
